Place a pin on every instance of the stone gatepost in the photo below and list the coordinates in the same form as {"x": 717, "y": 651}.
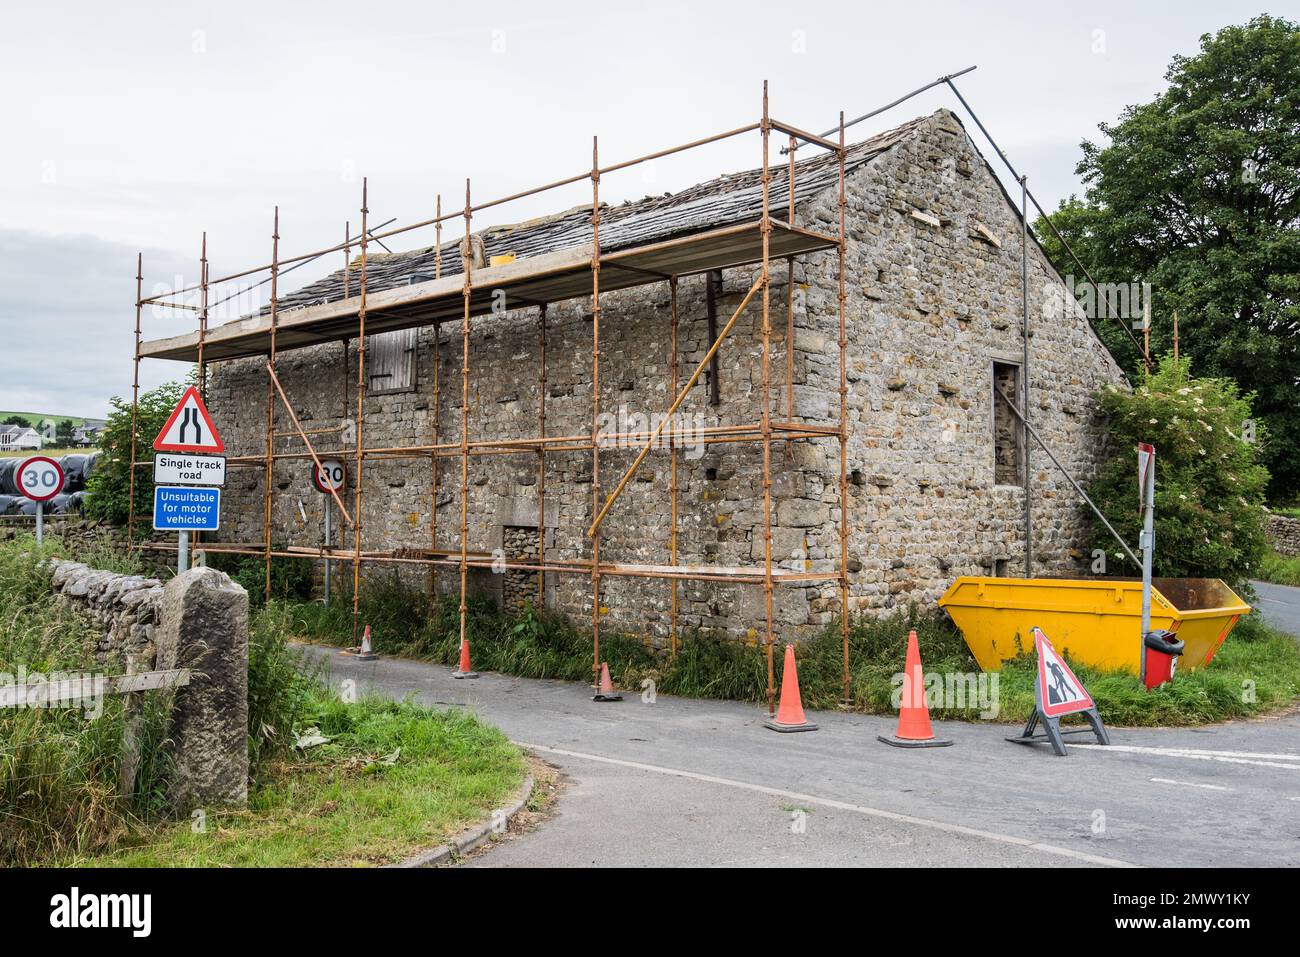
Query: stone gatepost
{"x": 203, "y": 626}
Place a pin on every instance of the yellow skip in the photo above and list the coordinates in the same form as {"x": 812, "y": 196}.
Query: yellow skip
{"x": 1097, "y": 622}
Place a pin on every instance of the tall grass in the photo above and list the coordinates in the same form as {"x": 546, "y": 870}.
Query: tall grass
{"x": 60, "y": 788}
{"x": 412, "y": 624}
{"x": 1279, "y": 569}
{"x": 59, "y": 769}
{"x": 1257, "y": 670}
{"x": 280, "y": 688}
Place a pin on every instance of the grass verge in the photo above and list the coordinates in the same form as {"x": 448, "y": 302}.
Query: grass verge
{"x": 394, "y": 778}
{"x": 1256, "y": 671}
{"x": 1279, "y": 569}
{"x": 59, "y": 767}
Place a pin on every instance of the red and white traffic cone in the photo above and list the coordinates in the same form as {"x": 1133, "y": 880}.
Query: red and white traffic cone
{"x": 364, "y": 652}
{"x": 789, "y": 714}
{"x": 464, "y": 671}
{"x": 605, "y": 689}
{"x": 914, "y": 729}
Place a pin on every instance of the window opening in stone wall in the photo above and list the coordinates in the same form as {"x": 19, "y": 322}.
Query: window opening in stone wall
{"x": 390, "y": 361}
{"x": 1008, "y": 453}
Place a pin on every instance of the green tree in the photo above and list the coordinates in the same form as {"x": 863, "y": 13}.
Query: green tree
{"x": 1209, "y": 519}
{"x": 1198, "y": 194}
{"x": 108, "y": 488}
{"x": 19, "y": 421}
{"x": 63, "y": 433}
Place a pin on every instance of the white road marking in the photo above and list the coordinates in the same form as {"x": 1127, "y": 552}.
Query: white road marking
{"x": 1191, "y": 784}
{"x": 1201, "y": 754}
{"x": 842, "y": 806}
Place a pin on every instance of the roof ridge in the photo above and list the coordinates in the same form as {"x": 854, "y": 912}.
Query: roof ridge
{"x": 722, "y": 200}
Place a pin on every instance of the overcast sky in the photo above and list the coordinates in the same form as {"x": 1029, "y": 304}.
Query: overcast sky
{"x": 134, "y": 127}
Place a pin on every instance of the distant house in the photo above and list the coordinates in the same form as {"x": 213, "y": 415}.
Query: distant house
{"x": 14, "y": 437}
{"x": 84, "y": 436}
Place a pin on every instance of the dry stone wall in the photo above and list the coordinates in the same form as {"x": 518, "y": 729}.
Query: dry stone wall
{"x": 1284, "y": 533}
{"x": 124, "y": 608}
{"x": 930, "y": 309}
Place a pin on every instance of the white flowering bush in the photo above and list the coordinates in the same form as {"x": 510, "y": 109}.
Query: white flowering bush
{"x": 1210, "y": 484}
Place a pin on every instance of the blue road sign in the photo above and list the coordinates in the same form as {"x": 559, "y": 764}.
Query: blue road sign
{"x": 178, "y": 509}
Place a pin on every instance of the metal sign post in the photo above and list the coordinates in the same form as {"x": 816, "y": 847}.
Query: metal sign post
{"x": 329, "y": 477}
{"x": 329, "y": 540}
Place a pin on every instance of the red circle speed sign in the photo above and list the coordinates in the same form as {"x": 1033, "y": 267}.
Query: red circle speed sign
{"x": 40, "y": 478}
{"x": 330, "y": 477}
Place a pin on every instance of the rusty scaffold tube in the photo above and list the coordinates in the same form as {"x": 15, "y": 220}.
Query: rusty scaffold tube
{"x": 268, "y": 490}
{"x": 765, "y": 230}
{"x": 357, "y": 483}
{"x": 595, "y": 410}
{"x": 841, "y": 250}
{"x": 672, "y": 473}
{"x": 135, "y": 402}
{"x": 466, "y": 268}
{"x": 437, "y": 401}
{"x": 541, "y": 456}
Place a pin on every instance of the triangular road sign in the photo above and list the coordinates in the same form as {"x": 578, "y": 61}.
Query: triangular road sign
{"x": 1062, "y": 692}
{"x": 190, "y": 428}
{"x": 1058, "y": 691}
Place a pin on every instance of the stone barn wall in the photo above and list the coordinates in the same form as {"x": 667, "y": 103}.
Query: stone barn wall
{"x": 930, "y": 309}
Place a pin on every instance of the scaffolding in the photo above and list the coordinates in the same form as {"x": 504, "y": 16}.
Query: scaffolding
{"x": 535, "y": 281}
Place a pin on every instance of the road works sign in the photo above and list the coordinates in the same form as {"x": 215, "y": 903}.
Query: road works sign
{"x": 1062, "y": 692}
{"x": 190, "y": 428}
{"x": 175, "y": 468}
{"x": 186, "y": 509}
{"x": 1058, "y": 692}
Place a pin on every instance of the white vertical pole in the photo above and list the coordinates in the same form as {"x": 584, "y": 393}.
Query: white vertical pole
{"x": 182, "y": 552}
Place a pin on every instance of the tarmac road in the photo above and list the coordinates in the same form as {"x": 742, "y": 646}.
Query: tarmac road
{"x": 692, "y": 782}
{"x": 1280, "y": 606}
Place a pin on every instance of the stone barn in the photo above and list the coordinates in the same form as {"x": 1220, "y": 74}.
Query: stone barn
{"x": 935, "y": 461}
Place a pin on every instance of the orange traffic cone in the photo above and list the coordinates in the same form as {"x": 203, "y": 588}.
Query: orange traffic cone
{"x": 363, "y": 652}
{"x": 914, "y": 729}
{"x": 605, "y": 690}
{"x": 464, "y": 671}
{"x": 789, "y": 715}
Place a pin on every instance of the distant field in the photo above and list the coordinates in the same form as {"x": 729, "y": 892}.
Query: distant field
{"x": 52, "y": 453}
{"x": 35, "y": 417}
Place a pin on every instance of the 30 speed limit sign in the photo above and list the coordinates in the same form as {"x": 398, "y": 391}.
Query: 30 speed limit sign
{"x": 331, "y": 476}
{"x": 40, "y": 478}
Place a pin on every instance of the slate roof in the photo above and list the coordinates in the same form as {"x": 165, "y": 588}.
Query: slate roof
{"x": 726, "y": 200}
